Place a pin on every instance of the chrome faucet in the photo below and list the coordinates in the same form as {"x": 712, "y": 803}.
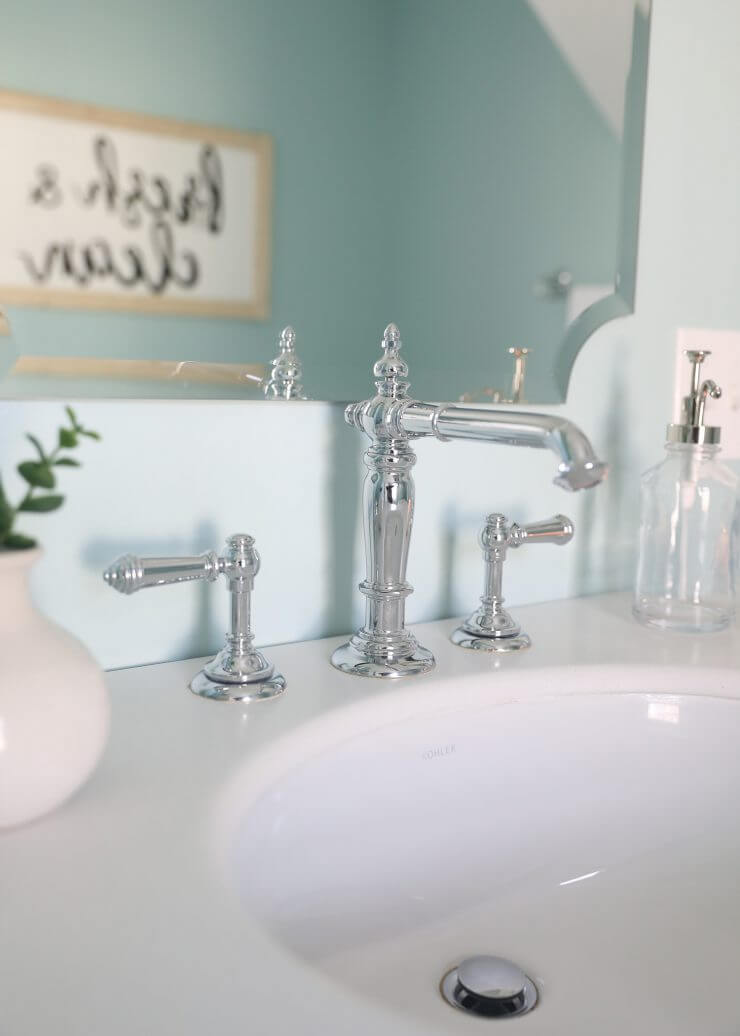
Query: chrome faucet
{"x": 491, "y": 627}
{"x": 383, "y": 647}
{"x": 239, "y": 672}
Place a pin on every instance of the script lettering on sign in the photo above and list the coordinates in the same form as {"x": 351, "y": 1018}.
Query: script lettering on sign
{"x": 99, "y": 208}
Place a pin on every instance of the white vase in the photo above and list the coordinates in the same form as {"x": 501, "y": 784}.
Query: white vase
{"x": 54, "y": 708}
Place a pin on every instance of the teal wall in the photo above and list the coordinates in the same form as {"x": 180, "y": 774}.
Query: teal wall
{"x": 506, "y": 171}
{"x": 433, "y": 158}
{"x": 305, "y": 71}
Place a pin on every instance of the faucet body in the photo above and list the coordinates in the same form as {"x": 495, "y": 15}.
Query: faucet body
{"x": 383, "y": 647}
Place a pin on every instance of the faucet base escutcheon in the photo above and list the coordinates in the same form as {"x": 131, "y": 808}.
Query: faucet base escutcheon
{"x": 258, "y": 690}
{"x": 466, "y": 638}
{"x": 413, "y": 661}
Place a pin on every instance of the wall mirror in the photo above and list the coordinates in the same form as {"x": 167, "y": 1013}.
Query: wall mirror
{"x": 180, "y": 183}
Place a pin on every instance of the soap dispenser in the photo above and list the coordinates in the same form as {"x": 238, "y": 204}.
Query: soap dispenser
{"x": 688, "y": 524}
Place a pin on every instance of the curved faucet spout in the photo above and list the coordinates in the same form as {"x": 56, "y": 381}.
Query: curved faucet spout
{"x": 579, "y": 466}
{"x": 383, "y": 647}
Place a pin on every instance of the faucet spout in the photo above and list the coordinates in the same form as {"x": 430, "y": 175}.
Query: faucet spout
{"x": 579, "y": 467}
{"x": 383, "y": 647}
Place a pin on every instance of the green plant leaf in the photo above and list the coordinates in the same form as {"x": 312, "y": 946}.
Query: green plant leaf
{"x": 50, "y": 502}
{"x": 90, "y": 434}
{"x": 17, "y": 541}
{"x": 72, "y": 417}
{"x": 6, "y": 514}
{"x": 67, "y": 439}
{"x": 37, "y": 474}
{"x": 39, "y": 448}
{"x": 67, "y": 462}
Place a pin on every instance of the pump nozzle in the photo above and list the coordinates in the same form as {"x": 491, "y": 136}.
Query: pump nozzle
{"x": 692, "y": 428}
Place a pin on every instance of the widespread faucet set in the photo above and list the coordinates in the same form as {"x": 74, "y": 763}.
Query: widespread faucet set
{"x": 383, "y": 647}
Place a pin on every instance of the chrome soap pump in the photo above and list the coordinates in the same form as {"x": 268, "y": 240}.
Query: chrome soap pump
{"x": 688, "y": 524}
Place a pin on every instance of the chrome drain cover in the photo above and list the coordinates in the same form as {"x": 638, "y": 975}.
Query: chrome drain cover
{"x": 490, "y": 987}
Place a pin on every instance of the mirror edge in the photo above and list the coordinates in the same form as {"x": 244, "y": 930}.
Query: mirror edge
{"x": 622, "y": 301}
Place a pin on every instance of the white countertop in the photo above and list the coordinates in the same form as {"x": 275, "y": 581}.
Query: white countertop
{"x": 115, "y": 919}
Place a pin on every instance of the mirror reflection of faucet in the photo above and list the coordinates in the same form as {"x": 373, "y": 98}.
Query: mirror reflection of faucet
{"x": 492, "y": 395}
{"x": 284, "y": 380}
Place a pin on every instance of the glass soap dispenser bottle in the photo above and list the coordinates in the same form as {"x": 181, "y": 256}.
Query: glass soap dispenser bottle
{"x": 688, "y": 524}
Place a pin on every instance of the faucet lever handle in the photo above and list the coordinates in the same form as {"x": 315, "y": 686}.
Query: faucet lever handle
{"x": 130, "y": 573}
{"x": 558, "y": 529}
{"x": 239, "y": 672}
{"x": 491, "y": 627}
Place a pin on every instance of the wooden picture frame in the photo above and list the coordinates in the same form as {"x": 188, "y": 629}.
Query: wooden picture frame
{"x": 255, "y": 150}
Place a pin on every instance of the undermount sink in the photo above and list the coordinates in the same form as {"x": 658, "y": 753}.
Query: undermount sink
{"x": 580, "y": 822}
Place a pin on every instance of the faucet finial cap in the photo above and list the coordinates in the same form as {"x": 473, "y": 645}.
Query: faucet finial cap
{"x": 287, "y": 338}
{"x": 390, "y": 369}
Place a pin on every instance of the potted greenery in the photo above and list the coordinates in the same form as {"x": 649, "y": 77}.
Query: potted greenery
{"x": 53, "y": 702}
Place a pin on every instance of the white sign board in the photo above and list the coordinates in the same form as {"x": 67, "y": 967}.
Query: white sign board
{"x": 105, "y": 209}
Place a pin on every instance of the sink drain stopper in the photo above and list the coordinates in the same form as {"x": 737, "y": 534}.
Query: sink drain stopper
{"x": 490, "y": 987}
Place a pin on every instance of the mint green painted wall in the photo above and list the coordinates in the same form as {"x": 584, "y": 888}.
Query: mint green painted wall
{"x": 496, "y": 139}
{"x": 304, "y": 71}
{"x": 382, "y": 112}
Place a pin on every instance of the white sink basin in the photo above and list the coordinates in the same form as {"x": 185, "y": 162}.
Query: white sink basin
{"x": 593, "y": 838}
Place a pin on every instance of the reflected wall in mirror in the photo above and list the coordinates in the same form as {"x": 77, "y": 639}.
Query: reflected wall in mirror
{"x": 469, "y": 169}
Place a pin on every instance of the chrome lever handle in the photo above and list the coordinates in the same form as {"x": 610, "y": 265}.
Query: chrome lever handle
{"x": 491, "y": 627}
{"x": 131, "y": 573}
{"x": 558, "y": 529}
{"x": 238, "y": 672}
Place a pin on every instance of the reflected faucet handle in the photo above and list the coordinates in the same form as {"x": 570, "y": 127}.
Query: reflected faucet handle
{"x": 491, "y": 627}
{"x": 520, "y": 370}
{"x": 238, "y": 672}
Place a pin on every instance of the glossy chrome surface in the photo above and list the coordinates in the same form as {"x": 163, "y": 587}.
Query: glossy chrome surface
{"x": 285, "y": 377}
{"x": 691, "y": 428}
{"x": 520, "y": 372}
{"x": 491, "y": 627}
{"x": 579, "y": 468}
{"x": 383, "y": 647}
{"x": 490, "y": 987}
{"x": 239, "y": 672}
{"x": 283, "y": 381}
{"x": 131, "y": 573}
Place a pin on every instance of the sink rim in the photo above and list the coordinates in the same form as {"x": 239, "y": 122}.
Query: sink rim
{"x": 331, "y": 727}
{"x": 338, "y": 726}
